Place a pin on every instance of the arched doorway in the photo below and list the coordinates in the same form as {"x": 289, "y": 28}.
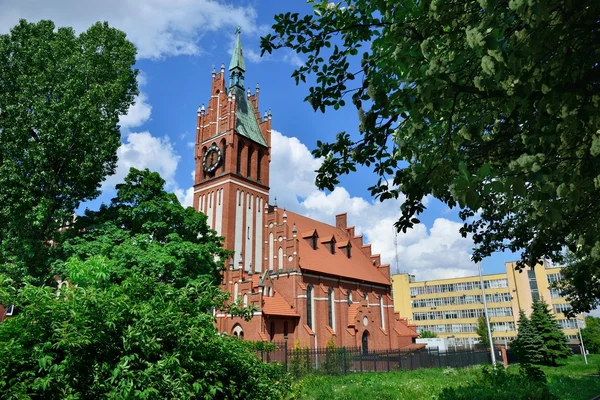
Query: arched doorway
{"x": 365, "y": 342}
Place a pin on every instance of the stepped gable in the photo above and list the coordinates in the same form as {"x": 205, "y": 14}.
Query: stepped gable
{"x": 358, "y": 266}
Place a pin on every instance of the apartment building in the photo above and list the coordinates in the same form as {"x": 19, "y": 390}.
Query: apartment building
{"x": 450, "y": 307}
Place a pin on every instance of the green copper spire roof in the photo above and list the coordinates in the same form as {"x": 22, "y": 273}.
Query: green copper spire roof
{"x": 237, "y": 60}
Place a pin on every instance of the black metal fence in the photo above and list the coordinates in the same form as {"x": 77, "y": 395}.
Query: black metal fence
{"x": 344, "y": 360}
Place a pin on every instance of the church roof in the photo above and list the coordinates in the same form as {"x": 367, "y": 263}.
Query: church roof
{"x": 246, "y": 123}
{"x": 276, "y": 305}
{"x": 358, "y": 267}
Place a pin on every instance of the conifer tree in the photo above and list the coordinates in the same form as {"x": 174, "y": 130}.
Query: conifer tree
{"x": 554, "y": 341}
{"x": 528, "y": 343}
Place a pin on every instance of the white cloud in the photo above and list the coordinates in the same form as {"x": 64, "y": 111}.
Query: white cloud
{"x": 293, "y": 58}
{"x": 138, "y": 113}
{"x": 158, "y": 28}
{"x": 142, "y": 150}
{"x": 439, "y": 252}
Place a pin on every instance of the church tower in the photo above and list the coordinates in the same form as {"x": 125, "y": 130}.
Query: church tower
{"x": 232, "y": 154}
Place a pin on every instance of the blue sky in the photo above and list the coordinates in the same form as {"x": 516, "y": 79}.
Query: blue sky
{"x": 179, "y": 42}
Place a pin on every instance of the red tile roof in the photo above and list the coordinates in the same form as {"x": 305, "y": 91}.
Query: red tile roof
{"x": 358, "y": 267}
{"x": 277, "y": 305}
{"x": 404, "y": 331}
{"x": 413, "y": 347}
{"x": 255, "y": 280}
{"x": 352, "y": 313}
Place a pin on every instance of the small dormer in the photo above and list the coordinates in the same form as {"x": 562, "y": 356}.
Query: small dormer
{"x": 329, "y": 242}
{"x": 346, "y": 247}
{"x": 311, "y": 238}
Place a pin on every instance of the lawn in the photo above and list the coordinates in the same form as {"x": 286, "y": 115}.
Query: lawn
{"x": 570, "y": 381}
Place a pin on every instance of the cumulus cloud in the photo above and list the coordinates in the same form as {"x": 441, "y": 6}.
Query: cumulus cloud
{"x": 434, "y": 253}
{"x": 139, "y": 112}
{"x": 142, "y": 150}
{"x": 158, "y": 28}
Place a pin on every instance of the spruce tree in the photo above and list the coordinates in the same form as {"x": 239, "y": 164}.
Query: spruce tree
{"x": 554, "y": 340}
{"x": 528, "y": 342}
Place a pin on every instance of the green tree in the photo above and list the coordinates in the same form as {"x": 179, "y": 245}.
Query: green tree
{"x": 427, "y": 335}
{"x": 482, "y": 332}
{"x": 528, "y": 343}
{"x": 135, "y": 319}
{"x": 591, "y": 334}
{"x": 492, "y": 106}
{"x": 554, "y": 341}
{"x": 61, "y": 95}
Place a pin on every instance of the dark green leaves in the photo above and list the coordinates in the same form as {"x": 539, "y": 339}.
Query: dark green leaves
{"x": 60, "y": 100}
{"x": 492, "y": 106}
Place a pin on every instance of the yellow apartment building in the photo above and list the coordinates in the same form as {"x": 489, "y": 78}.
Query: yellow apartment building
{"x": 450, "y": 307}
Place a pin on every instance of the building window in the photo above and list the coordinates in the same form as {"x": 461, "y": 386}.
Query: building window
{"x": 349, "y": 297}
{"x": 245, "y": 300}
{"x": 224, "y": 151}
{"x": 535, "y": 293}
{"x": 366, "y": 296}
{"x": 238, "y": 331}
{"x": 235, "y": 291}
{"x": 331, "y": 301}
{"x": 285, "y": 330}
{"x": 238, "y": 167}
{"x": 309, "y": 306}
{"x": 272, "y": 330}
{"x": 280, "y": 258}
{"x": 249, "y": 171}
{"x": 258, "y": 166}
{"x": 10, "y": 310}
{"x": 381, "y": 312}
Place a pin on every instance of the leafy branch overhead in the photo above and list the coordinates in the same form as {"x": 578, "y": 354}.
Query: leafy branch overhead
{"x": 491, "y": 106}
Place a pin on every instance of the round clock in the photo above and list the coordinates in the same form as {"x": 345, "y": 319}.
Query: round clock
{"x": 211, "y": 159}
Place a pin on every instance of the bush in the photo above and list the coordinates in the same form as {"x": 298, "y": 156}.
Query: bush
{"x": 299, "y": 364}
{"x": 497, "y": 384}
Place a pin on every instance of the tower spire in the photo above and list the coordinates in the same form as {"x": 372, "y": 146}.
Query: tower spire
{"x": 237, "y": 66}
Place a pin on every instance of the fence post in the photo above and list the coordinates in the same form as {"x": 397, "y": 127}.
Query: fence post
{"x": 411, "y": 361}
{"x": 286, "y": 355}
{"x": 388, "y": 359}
{"x": 360, "y": 358}
{"x": 439, "y": 359}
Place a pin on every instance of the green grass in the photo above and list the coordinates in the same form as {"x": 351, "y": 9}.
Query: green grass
{"x": 570, "y": 381}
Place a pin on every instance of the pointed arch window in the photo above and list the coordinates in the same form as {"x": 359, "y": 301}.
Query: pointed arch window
{"x": 249, "y": 169}
{"x": 331, "y": 308}
{"x": 258, "y": 166}
{"x": 224, "y": 159}
{"x": 238, "y": 167}
{"x": 381, "y": 312}
{"x": 309, "y": 306}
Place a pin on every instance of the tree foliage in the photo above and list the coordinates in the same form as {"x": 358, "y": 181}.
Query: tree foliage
{"x": 482, "y": 332}
{"x": 591, "y": 334}
{"x": 427, "y": 335}
{"x": 528, "y": 343}
{"x": 492, "y": 106}
{"x": 554, "y": 341}
{"x": 61, "y": 95}
{"x": 134, "y": 315}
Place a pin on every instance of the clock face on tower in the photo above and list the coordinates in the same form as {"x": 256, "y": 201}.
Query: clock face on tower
{"x": 211, "y": 159}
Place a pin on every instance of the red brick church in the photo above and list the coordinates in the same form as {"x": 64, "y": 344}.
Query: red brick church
{"x": 309, "y": 281}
